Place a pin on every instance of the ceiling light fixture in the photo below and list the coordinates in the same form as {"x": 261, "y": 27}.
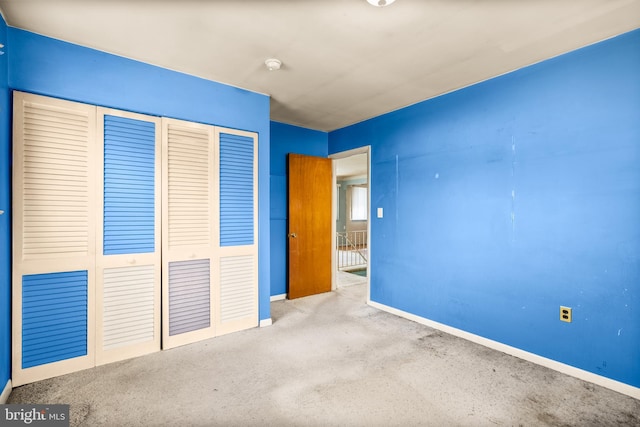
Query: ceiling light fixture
{"x": 380, "y": 3}
{"x": 273, "y": 64}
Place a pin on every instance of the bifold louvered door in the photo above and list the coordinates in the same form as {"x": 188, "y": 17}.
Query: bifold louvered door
{"x": 189, "y": 232}
{"x": 130, "y": 232}
{"x": 128, "y": 239}
{"x": 86, "y": 241}
{"x": 54, "y": 211}
{"x": 209, "y": 252}
{"x": 236, "y": 290}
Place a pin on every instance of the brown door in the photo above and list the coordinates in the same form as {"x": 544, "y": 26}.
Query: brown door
{"x": 310, "y": 185}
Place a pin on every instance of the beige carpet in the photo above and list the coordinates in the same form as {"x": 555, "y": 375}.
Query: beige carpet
{"x": 331, "y": 360}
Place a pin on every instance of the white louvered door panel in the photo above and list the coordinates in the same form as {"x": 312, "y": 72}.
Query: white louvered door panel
{"x": 128, "y": 276}
{"x": 189, "y": 296}
{"x": 238, "y": 294}
{"x": 189, "y": 232}
{"x": 237, "y": 284}
{"x": 53, "y": 237}
{"x": 128, "y": 307}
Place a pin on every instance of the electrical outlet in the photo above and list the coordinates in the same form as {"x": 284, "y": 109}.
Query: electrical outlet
{"x": 565, "y": 314}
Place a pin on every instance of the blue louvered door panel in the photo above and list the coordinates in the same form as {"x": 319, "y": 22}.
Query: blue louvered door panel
{"x": 129, "y": 174}
{"x": 236, "y": 190}
{"x": 128, "y": 260}
{"x": 54, "y": 317}
{"x": 237, "y": 288}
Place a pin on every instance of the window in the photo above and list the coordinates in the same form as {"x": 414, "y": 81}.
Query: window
{"x": 358, "y": 203}
{"x": 338, "y": 203}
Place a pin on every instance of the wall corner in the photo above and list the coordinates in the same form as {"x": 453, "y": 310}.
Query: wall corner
{"x": 4, "y": 396}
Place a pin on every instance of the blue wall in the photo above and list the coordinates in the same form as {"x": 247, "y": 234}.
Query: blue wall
{"x": 286, "y": 139}
{"x": 51, "y": 67}
{"x": 512, "y": 197}
{"x": 5, "y": 219}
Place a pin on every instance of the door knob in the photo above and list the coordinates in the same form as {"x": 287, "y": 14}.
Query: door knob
{"x": 293, "y": 235}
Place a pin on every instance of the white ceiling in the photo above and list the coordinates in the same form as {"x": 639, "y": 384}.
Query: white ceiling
{"x": 344, "y": 61}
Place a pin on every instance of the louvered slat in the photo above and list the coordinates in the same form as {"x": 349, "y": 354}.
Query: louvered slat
{"x": 189, "y": 296}
{"x": 54, "y": 317}
{"x": 237, "y": 288}
{"x": 55, "y": 181}
{"x": 236, "y": 190}
{"x": 188, "y": 201}
{"x": 129, "y": 193}
{"x": 128, "y": 300}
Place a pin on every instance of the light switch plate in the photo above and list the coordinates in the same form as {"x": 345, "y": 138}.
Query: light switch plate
{"x": 379, "y": 212}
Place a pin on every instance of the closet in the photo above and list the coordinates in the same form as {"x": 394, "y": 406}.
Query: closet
{"x": 131, "y": 233}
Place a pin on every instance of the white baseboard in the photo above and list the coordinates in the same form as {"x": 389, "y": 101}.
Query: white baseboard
{"x": 278, "y": 297}
{"x": 6, "y": 392}
{"x": 614, "y": 385}
{"x": 266, "y": 322}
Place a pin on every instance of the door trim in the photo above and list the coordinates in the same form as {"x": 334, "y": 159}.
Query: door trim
{"x": 334, "y": 215}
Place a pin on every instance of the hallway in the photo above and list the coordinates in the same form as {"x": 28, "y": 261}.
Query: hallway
{"x": 331, "y": 360}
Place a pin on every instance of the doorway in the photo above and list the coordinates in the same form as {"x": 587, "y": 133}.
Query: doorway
{"x": 351, "y": 219}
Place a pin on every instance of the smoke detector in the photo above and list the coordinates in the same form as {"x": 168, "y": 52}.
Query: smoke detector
{"x": 380, "y": 3}
{"x": 273, "y": 64}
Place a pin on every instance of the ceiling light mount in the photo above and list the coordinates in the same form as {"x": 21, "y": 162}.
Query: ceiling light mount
{"x": 273, "y": 64}
{"x": 380, "y": 3}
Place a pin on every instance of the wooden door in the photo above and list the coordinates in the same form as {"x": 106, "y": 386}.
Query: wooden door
{"x": 309, "y": 233}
